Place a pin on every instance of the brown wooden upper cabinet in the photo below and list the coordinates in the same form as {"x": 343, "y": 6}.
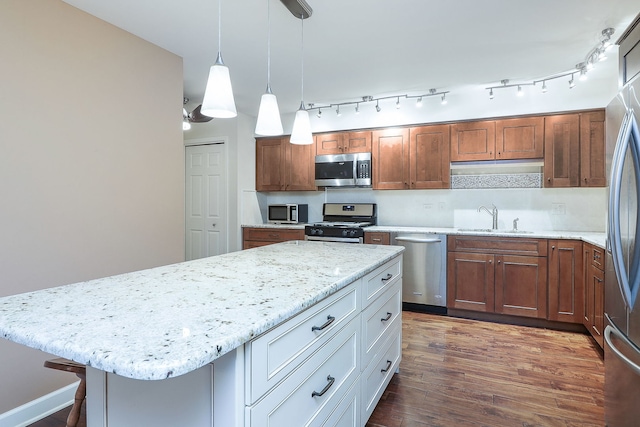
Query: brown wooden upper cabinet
{"x": 521, "y": 138}
{"x": 473, "y": 141}
{"x": 416, "y": 157}
{"x": 281, "y": 166}
{"x": 574, "y": 150}
{"x": 429, "y": 165}
{"x": 343, "y": 142}
{"x": 390, "y": 159}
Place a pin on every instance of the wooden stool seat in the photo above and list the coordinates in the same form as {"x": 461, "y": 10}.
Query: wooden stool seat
{"x": 79, "y": 369}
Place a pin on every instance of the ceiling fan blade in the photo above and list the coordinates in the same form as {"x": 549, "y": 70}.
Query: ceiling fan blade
{"x": 197, "y": 117}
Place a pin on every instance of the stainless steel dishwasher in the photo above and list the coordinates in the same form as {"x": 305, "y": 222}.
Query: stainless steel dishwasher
{"x": 424, "y": 270}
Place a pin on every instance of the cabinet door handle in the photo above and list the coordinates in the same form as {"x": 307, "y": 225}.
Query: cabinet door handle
{"x": 384, "y": 319}
{"x": 499, "y": 261}
{"x": 326, "y": 388}
{"x": 490, "y": 262}
{"x": 389, "y": 276}
{"x": 329, "y": 321}
{"x": 553, "y": 248}
{"x": 389, "y": 363}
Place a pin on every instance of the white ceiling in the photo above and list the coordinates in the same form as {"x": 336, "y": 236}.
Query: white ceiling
{"x": 354, "y": 48}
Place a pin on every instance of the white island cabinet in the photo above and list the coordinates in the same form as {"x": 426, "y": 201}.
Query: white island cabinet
{"x": 297, "y": 333}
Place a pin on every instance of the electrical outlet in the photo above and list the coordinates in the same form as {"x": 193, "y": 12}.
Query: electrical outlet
{"x": 558, "y": 208}
{"x": 442, "y": 206}
{"x": 428, "y": 206}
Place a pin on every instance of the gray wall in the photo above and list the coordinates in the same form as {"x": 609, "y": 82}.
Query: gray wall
{"x": 91, "y": 162}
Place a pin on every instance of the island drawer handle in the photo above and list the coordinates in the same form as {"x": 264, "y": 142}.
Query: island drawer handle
{"x": 389, "y": 276}
{"x": 389, "y": 363}
{"x": 329, "y": 321}
{"x": 326, "y": 388}
{"x": 384, "y": 319}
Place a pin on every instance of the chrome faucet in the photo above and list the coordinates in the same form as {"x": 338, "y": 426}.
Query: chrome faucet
{"x": 493, "y": 213}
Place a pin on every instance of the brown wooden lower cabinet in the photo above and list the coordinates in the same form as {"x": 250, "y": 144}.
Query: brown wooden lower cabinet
{"x": 593, "y": 316}
{"x": 566, "y": 281}
{"x": 259, "y": 236}
{"x": 377, "y": 238}
{"x": 497, "y": 275}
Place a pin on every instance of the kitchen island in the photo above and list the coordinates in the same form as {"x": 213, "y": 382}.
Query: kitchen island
{"x": 197, "y": 328}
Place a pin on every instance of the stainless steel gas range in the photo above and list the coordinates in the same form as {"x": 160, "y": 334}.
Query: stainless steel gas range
{"x": 342, "y": 222}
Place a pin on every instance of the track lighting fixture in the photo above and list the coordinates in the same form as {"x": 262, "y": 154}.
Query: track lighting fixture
{"x": 338, "y": 111}
{"x": 319, "y": 113}
{"x": 520, "y": 92}
{"x": 218, "y": 99}
{"x": 592, "y": 57}
{"x": 365, "y": 99}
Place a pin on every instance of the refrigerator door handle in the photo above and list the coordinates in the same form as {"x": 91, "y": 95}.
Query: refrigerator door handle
{"x": 628, "y": 133}
{"x": 607, "y": 337}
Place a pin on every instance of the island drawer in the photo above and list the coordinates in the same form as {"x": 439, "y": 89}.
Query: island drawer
{"x": 381, "y": 316}
{"x": 315, "y": 388}
{"x": 378, "y": 374}
{"x": 274, "y": 355}
{"x": 380, "y": 279}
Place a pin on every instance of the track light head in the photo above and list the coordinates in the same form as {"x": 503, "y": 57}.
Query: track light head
{"x": 520, "y": 92}
{"x": 419, "y": 102}
{"x": 398, "y": 103}
{"x": 544, "y": 86}
{"x": 572, "y": 83}
{"x": 490, "y": 93}
{"x": 319, "y": 115}
{"x": 378, "y": 106}
{"x": 444, "y": 99}
{"x": 357, "y": 108}
{"x": 338, "y": 113}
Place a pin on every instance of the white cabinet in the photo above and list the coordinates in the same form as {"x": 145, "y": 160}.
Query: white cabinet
{"x": 329, "y": 365}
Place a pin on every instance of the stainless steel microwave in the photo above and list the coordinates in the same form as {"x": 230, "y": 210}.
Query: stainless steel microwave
{"x": 288, "y": 213}
{"x": 343, "y": 170}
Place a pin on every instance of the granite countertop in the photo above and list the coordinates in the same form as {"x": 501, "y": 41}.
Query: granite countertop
{"x": 167, "y": 321}
{"x": 593, "y": 237}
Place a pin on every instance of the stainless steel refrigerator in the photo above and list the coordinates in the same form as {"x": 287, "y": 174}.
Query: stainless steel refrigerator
{"x": 622, "y": 275}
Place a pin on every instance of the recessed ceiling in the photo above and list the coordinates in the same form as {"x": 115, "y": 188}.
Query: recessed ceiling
{"x": 368, "y": 47}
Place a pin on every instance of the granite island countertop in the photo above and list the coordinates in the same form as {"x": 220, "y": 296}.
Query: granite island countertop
{"x": 166, "y": 321}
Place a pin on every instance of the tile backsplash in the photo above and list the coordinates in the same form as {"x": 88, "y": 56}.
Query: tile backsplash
{"x": 569, "y": 209}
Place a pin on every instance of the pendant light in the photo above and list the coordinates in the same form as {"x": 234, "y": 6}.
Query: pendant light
{"x": 269, "y": 122}
{"x": 301, "y": 133}
{"x": 218, "y": 96}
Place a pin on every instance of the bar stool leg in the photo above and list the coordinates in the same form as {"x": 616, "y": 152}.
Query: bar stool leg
{"x": 74, "y": 415}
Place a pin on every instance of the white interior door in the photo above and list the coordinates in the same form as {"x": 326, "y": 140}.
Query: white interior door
{"x": 206, "y": 232}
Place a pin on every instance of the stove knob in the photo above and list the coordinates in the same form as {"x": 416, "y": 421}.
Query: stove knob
{"x": 320, "y": 231}
{"x": 353, "y": 233}
{"x": 344, "y": 233}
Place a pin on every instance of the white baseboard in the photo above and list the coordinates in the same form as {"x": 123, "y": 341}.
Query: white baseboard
{"x": 37, "y": 409}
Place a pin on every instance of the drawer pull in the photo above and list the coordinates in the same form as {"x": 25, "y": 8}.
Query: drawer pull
{"x": 326, "y": 388}
{"x": 389, "y": 276}
{"x": 329, "y": 321}
{"x": 384, "y": 319}
{"x": 389, "y": 363}
{"x": 375, "y": 239}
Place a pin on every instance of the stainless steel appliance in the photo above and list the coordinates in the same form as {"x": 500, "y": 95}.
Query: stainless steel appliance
{"x": 424, "y": 271}
{"x": 342, "y": 222}
{"x": 289, "y": 213}
{"x": 622, "y": 263}
{"x": 343, "y": 170}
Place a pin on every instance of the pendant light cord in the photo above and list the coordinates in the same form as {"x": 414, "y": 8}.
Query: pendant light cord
{"x": 302, "y": 61}
{"x": 219, "y": 26}
{"x": 268, "y": 44}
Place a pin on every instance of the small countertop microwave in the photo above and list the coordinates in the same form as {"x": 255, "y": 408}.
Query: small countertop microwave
{"x": 289, "y": 213}
{"x": 343, "y": 170}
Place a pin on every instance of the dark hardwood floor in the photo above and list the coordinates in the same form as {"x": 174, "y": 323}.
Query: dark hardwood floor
{"x": 467, "y": 373}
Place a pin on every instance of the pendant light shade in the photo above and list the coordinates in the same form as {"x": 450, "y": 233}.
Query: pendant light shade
{"x": 218, "y": 96}
{"x": 301, "y": 133}
{"x": 218, "y": 99}
{"x": 269, "y": 123}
